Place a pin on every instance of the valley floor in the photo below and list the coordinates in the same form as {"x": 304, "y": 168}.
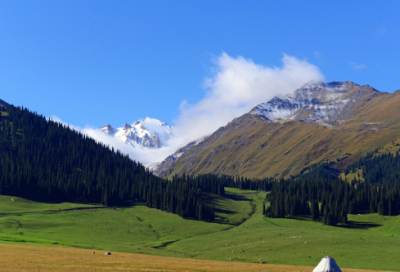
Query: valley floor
{"x": 239, "y": 237}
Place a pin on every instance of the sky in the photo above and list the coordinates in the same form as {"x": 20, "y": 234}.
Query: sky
{"x": 186, "y": 62}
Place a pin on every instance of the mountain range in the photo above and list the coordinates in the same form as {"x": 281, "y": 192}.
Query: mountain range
{"x": 332, "y": 122}
{"x": 148, "y": 132}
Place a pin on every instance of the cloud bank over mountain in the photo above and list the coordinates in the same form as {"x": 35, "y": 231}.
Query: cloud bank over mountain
{"x": 236, "y": 86}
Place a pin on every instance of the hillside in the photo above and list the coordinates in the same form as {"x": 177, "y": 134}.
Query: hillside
{"x": 47, "y": 161}
{"x": 328, "y": 122}
{"x": 3, "y": 104}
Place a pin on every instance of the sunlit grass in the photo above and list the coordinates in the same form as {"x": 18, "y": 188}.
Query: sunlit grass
{"x": 239, "y": 237}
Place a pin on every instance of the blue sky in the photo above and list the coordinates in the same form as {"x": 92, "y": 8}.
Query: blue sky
{"x": 97, "y": 62}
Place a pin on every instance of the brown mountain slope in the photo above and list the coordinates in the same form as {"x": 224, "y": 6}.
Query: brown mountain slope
{"x": 253, "y": 146}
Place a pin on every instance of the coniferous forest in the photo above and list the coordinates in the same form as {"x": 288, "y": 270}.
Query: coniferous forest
{"x": 48, "y": 161}
{"x": 378, "y": 168}
{"x": 244, "y": 183}
{"x": 291, "y": 198}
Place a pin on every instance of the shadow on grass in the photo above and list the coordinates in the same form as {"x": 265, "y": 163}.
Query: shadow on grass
{"x": 54, "y": 201}
{"x": 350, "y": 224}
{"x": 237, "y": 197}
{"x": 359, "y": 225}
{"x": 217, "y": 210}
{"x": 223, "y": 212}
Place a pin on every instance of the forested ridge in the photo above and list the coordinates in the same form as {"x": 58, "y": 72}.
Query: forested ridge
{"x": 377, "y": 168}
{"x": 48, "y": 161}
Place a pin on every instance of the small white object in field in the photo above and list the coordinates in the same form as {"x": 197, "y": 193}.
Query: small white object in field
{"x": 108, "y": 253}
{"x": 305, "y": 242}
{"x": 12, "y": 199}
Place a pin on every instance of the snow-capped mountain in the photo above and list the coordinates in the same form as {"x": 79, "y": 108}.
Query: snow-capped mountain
{"x": 314, "y": 102}
{"x": 149, "y": 132}
{"x": 276, "y": 138}
{"x": 108, "y": 129}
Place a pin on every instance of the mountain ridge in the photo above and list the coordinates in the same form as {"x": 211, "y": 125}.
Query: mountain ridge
{"x": 316, "y": 101}
{"x": 257, "y": 145}
{"x": 3, "y": 104}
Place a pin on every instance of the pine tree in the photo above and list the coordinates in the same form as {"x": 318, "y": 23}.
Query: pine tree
{"x": 263, "y": 208}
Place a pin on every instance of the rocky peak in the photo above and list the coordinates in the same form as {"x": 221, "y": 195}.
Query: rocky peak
{"x": 315, "y": 101}
{"x": 108, "y": 129}
{"x": 127, "y": 127}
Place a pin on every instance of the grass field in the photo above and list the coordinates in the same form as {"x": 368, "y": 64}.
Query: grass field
{"x": 45, "y": 258}
{"x": 240, "y": 234}
{"x": 10, "y": 204}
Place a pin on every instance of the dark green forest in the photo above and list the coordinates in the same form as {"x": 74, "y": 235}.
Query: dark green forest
{"x": 48, "y": 161}
{"x": 244, "y": 183}
{"x": 291, "y": 198}
{"x": 377, "y": 168}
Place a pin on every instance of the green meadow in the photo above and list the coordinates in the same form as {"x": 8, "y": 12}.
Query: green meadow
{"x": 239, "y": 234}
{"x": 12, "y": 205}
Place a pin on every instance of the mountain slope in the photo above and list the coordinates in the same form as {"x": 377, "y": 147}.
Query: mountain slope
{"x": 149, "y": 132}
{"x": 281, "y": 137}
{"x": 3, "y": 104}
{"x": 159, "y": 167}
{"x": 46, "y": 161}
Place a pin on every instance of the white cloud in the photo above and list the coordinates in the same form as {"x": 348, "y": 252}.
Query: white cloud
{"x": 357, "y": 67}
{"x": 138, "y": 153}
{"x": 236, "y": 86}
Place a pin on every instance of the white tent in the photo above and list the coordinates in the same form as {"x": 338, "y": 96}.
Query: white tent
{"x": 327, "y": 264}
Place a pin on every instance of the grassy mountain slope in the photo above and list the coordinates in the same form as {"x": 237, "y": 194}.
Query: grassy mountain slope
{"x": 254, "y": 147}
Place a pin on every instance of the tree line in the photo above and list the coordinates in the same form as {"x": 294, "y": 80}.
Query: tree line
{"x": 377, "y": 168}
{"x": 337, "y": 198}
{"x": 243, "y": 183}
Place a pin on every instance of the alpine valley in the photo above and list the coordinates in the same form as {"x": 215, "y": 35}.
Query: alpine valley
{"x": 65, "y": 196}
{"x": 333, "y": 122}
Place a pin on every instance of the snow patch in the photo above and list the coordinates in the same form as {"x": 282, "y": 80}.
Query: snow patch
{"x": 323, "y": 100}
